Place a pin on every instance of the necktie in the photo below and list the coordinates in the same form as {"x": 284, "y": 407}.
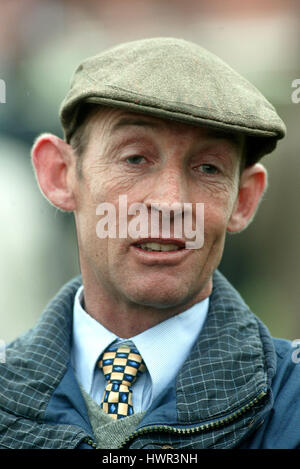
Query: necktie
{"x": 121, "y": 367}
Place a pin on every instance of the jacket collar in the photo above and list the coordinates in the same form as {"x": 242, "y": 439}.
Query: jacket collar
{"x": 37, "y": 361}
{"x": 231, "y": 364}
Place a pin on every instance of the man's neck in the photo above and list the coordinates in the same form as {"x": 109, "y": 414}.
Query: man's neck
{"x": 125, "y": 318}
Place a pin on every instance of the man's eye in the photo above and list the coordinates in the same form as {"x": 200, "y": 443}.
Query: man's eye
{"x": 209, "y": 169}
{"x": 135, "y": 159}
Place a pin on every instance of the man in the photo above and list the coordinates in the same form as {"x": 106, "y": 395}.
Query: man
{"x": 151, "y": 347}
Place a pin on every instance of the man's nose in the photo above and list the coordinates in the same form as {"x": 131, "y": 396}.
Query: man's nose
{"x": 168, "y": 187}
{"x": 166, "y": 201}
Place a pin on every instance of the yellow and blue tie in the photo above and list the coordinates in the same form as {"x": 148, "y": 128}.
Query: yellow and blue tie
{"x": 121, "y": 367}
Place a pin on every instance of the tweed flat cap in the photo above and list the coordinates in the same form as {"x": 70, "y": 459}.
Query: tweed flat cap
{"x": 174, "y": 79}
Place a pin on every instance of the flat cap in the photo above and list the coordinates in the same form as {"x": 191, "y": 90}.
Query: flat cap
{"x": 174, "y": 79}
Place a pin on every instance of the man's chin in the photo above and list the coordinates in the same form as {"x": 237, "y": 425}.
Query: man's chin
{"x": 162, "y": 298}
{"x": 168, "y": 292}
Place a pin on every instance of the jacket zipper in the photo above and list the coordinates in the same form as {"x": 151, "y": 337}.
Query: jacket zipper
{"x": 186, "y": 431}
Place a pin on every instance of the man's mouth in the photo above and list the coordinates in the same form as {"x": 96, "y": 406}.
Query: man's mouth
{"x": 160, "y": 251}
{"x": 160, "y": 246}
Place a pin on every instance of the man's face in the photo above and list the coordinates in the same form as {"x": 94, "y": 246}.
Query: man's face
{"x": 151, "y": 160}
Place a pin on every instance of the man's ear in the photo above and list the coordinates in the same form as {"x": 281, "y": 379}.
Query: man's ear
{"x": 52, "y": 161}
{"x": 253, "y": 184}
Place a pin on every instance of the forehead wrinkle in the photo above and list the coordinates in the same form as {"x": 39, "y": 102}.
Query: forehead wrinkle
{"x": 134, "y": 121}
{"x": 145, "y": 121}
{"x": 116, "y": 119}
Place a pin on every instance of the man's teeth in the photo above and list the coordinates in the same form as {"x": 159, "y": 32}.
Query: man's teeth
{"x": 158, "y": 247}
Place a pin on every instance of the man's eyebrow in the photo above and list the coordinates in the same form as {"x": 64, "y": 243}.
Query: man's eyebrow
{"x": 233, "y": 137}
{"x": 138, "y": 121}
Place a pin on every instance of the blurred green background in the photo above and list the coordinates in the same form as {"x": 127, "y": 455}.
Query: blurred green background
{"x": 41, "y": 43}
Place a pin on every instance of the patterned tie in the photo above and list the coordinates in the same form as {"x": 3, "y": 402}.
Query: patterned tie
{"x": 121, "y": 367}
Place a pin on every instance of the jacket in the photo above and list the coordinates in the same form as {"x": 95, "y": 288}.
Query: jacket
{"x": 239, "y": 388}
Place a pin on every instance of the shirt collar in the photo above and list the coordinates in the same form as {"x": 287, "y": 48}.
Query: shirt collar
{"x": 168, "y": 341}
{"x": 90, "y": 339}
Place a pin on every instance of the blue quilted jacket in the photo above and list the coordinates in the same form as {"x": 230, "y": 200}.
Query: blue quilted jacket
{"x": 239, "y": 388}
